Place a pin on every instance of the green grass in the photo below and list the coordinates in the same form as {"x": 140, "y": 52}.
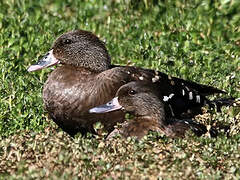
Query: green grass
{"x": 196, "y": 40}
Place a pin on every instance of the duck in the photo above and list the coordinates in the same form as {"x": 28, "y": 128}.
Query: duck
{"x": 85, "y": 78}
{"x": 145, "y": 102}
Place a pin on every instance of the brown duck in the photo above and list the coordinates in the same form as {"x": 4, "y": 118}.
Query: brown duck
{"x": 145, "y": 102}
{"x": 85, "y": 78}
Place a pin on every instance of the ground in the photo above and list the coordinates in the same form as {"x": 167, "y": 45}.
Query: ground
{"x": 196, "y": 40}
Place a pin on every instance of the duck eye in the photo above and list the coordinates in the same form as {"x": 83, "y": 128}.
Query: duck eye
{"x": 131, "y": 92}
{"x": 109, "y": 104}
{"x": 67, "y": 41}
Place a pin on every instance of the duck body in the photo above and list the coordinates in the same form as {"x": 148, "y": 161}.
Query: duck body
{"x": 145, "y": 102}
{"x": 86, "y": 78}
{"x": 70, "y": 92}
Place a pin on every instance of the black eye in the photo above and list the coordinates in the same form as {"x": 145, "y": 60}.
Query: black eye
{"x": 132, "y": 92}
{"x": 67, "y": 41}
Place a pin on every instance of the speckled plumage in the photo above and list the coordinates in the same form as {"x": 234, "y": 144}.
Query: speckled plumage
{"x": 70, "y": 92}
{"x": 144, "y": 101}
{"x": 87, "y": 79}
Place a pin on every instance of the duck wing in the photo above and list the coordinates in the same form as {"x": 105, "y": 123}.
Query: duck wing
{"x": 157, "y": 75}
{"x": 182, "y": 98}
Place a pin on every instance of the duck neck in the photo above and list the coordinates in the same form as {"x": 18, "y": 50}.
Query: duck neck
{"x": 98, "y": 64}
{"x": 93, "y": 58}
{"x": 155, "y": 113}
{"x": 159, "y": 116}
{"x": 94, "y": 64}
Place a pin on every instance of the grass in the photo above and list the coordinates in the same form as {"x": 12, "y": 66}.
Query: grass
{"x": 195, "y": 40}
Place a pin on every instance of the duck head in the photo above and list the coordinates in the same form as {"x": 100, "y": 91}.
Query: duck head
{"x": 137, "y": 98}
{"x": 77, "y": 48}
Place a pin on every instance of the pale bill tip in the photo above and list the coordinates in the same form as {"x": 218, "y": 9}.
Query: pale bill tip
{"x": 47, "y": 61}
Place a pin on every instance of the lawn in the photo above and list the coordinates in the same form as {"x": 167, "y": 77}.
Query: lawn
{"x": 197, "y": 40}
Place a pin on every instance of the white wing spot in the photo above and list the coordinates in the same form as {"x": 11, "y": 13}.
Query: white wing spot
{"x": 171, "y": 95}
{"x": 155, "y": 79}
{"x": 198, "y": 99}
{"x": 186, "y": 122}
{"x": 187, "y": 88}
{"x": 166, "y": 98}
{"x": 183, "y": 92}
{"x": 190, "y": 96}
{"x": 141, "y": 78}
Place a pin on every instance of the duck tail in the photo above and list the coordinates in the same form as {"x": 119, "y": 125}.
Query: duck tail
{"x": 179, "y": 127}
{"x": 204, "y": 90}
{"x": 219, "y": 103}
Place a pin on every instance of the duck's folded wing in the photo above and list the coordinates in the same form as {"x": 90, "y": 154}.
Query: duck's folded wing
{"x": 183, "y": 99}
{"x": 157, "y": 75}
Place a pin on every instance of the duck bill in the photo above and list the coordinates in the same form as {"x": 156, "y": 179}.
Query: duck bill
{"x": 112, "y": 105}
{"x": 47, "y": 61}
